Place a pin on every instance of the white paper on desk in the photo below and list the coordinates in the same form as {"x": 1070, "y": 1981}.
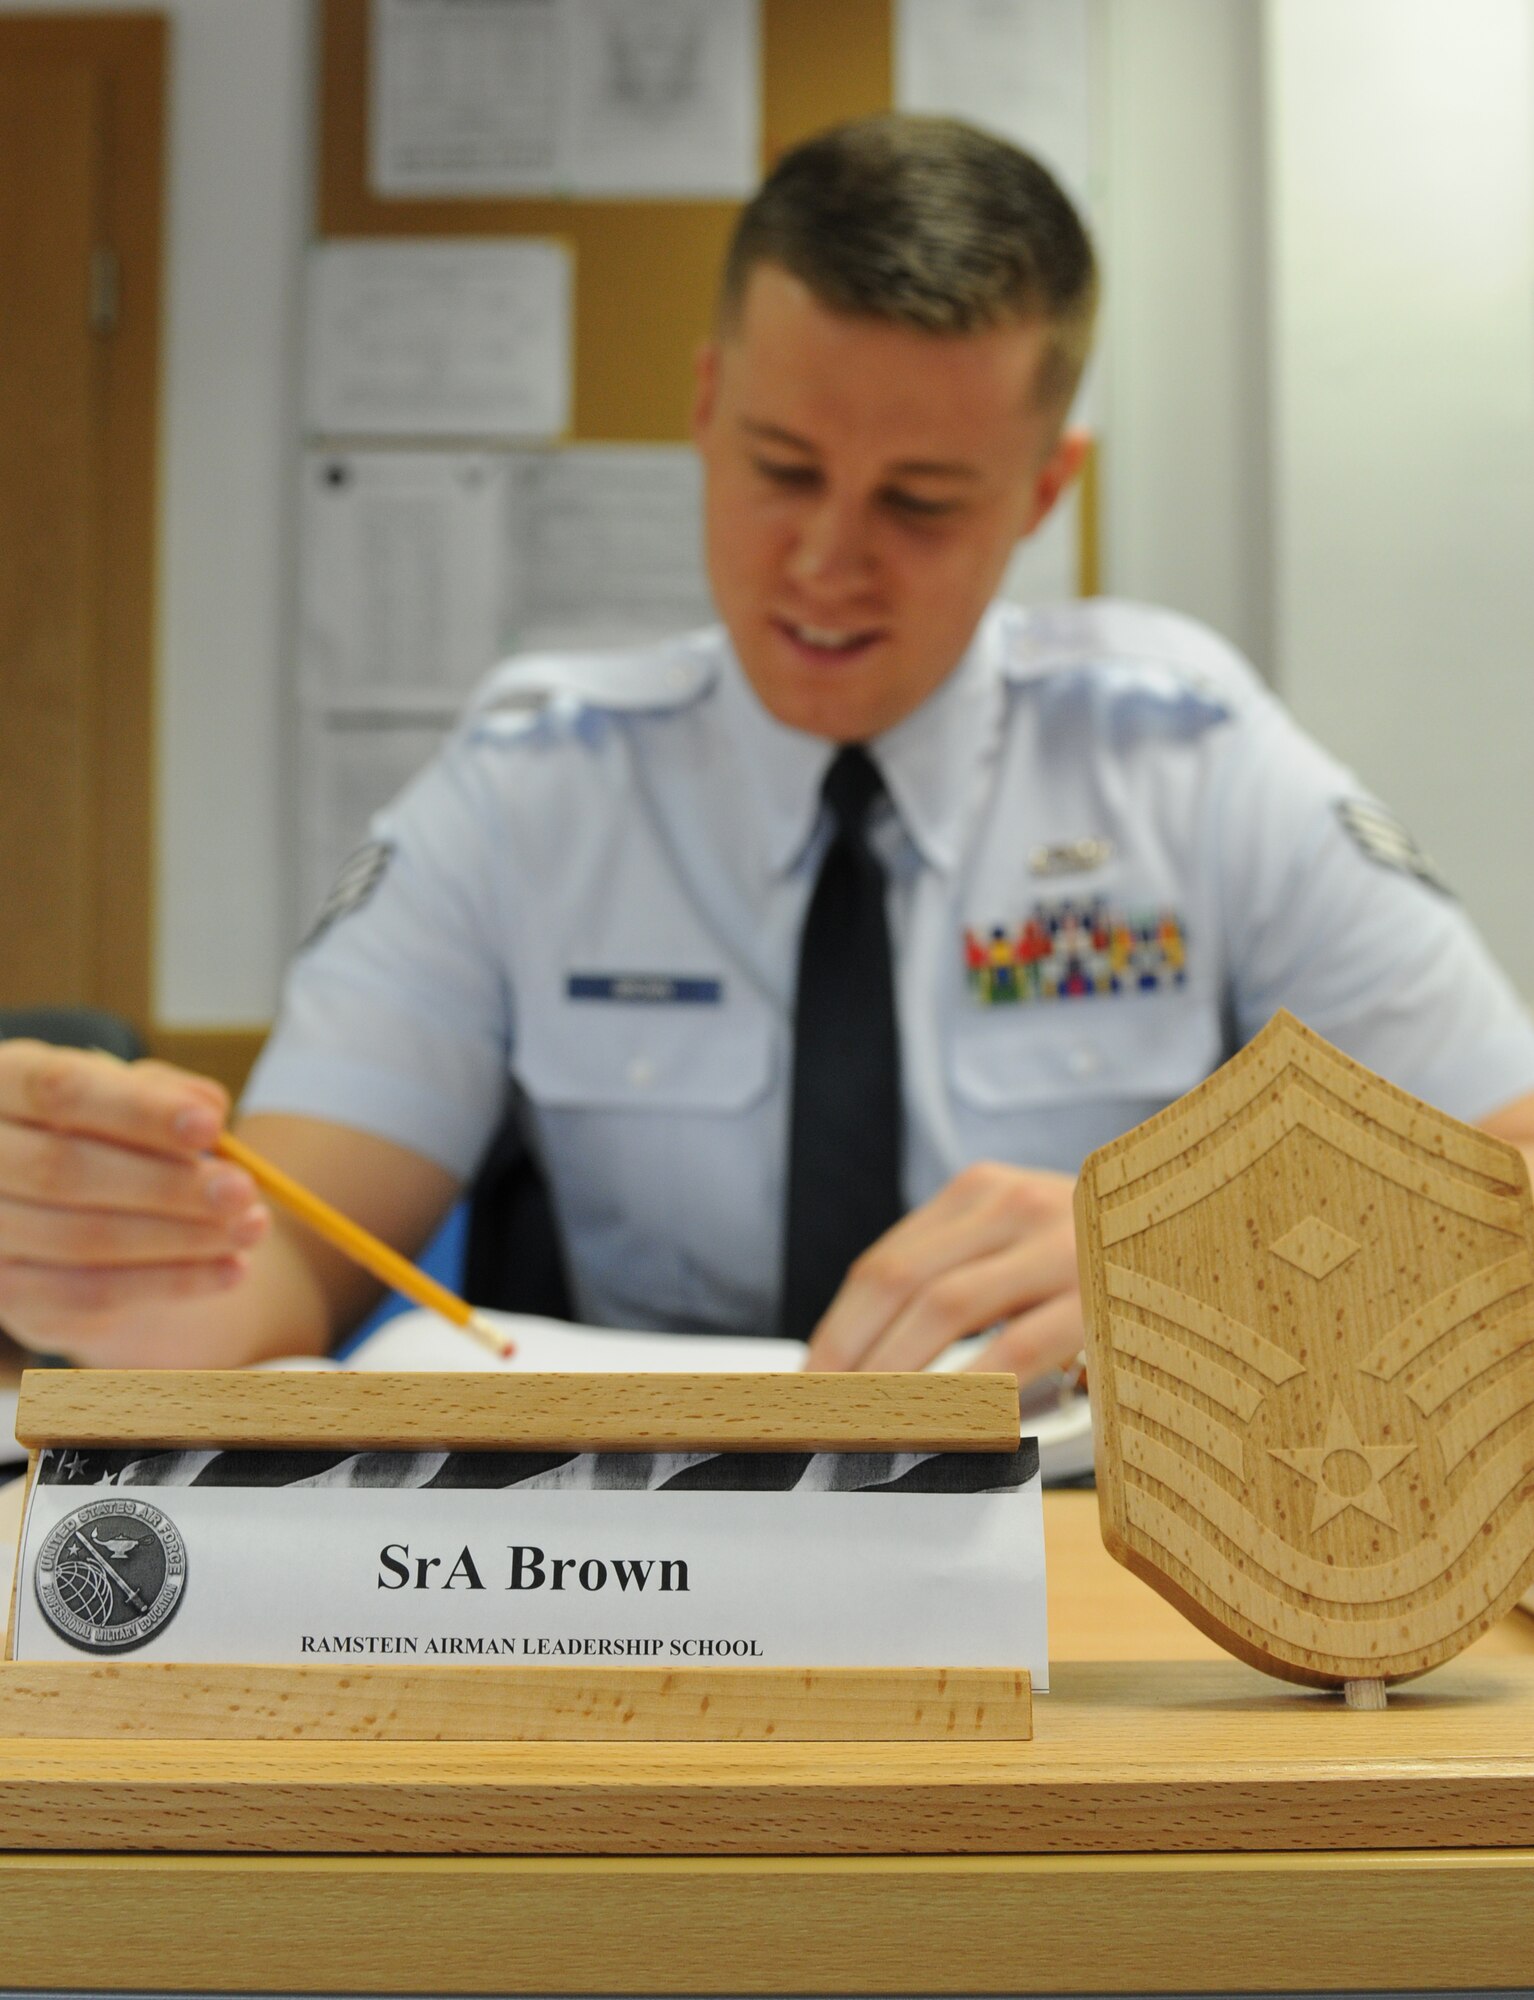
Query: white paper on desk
{"x": 778, "y": 1559}
{"x": 610, "y": 545}
{"x": 438, "y": 337}
{"x": 616, "y": 98}
{"x": 1020, "y": 67}
{"x": 1062, "y": 1427}
{"x": 422, "y": 1340}
{"x": 404, "y": 574}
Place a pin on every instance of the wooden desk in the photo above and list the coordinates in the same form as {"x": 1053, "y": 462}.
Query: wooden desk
{"x": 1187, "y": 1825}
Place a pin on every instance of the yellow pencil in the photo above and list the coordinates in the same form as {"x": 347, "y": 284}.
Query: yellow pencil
{"x": 362, "y": 1247}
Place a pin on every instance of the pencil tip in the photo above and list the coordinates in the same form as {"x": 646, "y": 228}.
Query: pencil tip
{"x": 493, "y": 1336}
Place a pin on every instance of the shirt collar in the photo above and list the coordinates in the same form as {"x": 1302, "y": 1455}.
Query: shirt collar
{"x": 930, "y": 760}
{"x": 781, "y": 769}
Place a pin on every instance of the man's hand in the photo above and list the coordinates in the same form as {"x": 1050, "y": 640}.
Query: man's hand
{"x": 1515, "y": 1123}
{"x": 108, "y": 1204}
{"x": 997, "y": 1248}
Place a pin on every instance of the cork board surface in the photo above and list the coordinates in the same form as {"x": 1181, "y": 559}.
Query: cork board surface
{"x": 645, "y": 271}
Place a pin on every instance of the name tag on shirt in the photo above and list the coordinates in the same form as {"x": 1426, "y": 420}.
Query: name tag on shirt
{"x": 645, "y": 989}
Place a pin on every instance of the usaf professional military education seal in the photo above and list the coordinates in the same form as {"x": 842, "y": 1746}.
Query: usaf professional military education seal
{"x": 110, "y": 1575}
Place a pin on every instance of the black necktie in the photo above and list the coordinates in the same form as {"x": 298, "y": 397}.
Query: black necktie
{"x": 844, "y": 1134}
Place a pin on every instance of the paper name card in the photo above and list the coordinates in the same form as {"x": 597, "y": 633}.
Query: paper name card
{"x": 652, "y": 1558}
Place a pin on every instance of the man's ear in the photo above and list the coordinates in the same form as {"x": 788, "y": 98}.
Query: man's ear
{"x": 705, "y": 388}
{"x": 1055, "y": 475}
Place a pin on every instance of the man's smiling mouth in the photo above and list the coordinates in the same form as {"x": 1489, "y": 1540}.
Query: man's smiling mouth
{"x": 829, "y": 642}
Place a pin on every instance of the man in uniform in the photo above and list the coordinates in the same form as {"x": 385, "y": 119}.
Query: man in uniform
{"x": 704, "y": 912}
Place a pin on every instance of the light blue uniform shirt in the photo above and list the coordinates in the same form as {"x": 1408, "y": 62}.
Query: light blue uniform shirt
{"x": 595, "y": 894}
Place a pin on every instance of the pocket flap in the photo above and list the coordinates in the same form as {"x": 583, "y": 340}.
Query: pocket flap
{"x": 647, "y": 1054}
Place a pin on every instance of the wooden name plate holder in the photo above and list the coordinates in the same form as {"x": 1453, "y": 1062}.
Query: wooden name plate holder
{"x": 497, "y": 1701}
{"x": 1310, "y": 1315}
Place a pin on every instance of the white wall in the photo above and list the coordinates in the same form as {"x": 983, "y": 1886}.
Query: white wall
{"x": 238, "y": 199}
{"x": 1402, "y": 216}
{"x": 1183, "y": 346}
{"x": 239, "y": 218}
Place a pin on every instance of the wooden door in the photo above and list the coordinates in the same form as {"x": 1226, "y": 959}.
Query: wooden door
{"x": 49, "y": 147}
{"x": 80, "y": 192}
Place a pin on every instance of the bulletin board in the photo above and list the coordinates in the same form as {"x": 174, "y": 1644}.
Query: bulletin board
{"x": 645, "y": 271}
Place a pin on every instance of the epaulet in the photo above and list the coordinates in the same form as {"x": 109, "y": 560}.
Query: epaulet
{"x": 1136, "y": 657}
{"x": 534, "y": 691}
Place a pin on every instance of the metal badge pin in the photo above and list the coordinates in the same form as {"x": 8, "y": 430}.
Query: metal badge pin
{"x": 1070, "y": 857}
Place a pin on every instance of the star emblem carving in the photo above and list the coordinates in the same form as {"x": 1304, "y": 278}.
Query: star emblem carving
{"x": 1342, "y": 1444}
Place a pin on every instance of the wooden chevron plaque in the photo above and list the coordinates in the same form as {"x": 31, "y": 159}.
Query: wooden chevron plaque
{"x": 1310, "y": 1328}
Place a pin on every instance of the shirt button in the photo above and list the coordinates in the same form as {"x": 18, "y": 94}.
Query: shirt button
{"x": 641, "y": 1072}
{"x": 1084, "y": 1061}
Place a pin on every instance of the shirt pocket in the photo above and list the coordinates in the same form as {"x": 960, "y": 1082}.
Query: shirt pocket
{"x": 643, "y": 1055}
{"x": 658, "y": 1127}
{"x": 1044, "y": 1085}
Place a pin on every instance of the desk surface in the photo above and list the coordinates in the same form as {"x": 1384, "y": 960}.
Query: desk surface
{"x": 1168, "y": 1746}
{"x": 1185, "y": 1825}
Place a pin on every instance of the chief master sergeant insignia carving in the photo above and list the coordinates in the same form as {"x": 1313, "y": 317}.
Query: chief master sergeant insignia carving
{"x": 110, "y": 1574}
{"x": 1310, "y": 1314}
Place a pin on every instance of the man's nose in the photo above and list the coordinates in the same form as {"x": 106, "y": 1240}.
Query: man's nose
{"x": 832, "y": 544}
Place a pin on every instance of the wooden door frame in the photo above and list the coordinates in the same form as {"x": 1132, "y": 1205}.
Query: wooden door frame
{"x": 128, "y": 52}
